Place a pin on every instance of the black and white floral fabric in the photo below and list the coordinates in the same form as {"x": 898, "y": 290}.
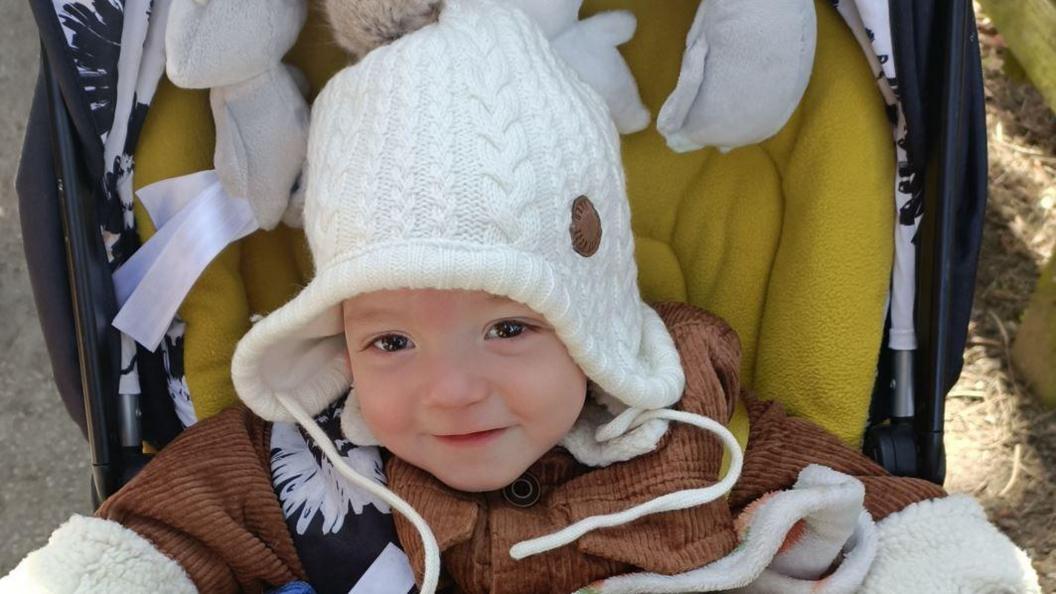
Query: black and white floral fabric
{"x": 118, "y": 49}
{"x": 172, "y": 359}
{"x": 344, "y": 536}
{"x": 871, "y": 23}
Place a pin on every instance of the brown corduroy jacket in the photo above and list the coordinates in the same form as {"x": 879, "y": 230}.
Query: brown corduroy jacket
{"x": 207, "y": 500}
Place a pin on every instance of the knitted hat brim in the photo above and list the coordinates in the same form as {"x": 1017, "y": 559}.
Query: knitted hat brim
{"x": 299, "y": 350}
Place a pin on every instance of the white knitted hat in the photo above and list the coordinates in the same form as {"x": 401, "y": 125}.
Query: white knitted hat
{"x": 466, "y": 155}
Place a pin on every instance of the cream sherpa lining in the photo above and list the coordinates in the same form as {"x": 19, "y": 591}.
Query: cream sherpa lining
{"x": 94, "y": 555}
{"x": 947, "y": 545}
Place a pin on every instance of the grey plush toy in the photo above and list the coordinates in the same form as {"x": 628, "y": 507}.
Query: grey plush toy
{"x": 234, "y": 48}
{"x": 744, "y": 70}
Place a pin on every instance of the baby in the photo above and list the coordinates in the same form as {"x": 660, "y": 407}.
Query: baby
{"x": 470, "y": 387}
{"x": 475, "y": 314}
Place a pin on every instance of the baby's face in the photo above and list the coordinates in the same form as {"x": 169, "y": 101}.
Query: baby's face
{"x": 470, "y": 387}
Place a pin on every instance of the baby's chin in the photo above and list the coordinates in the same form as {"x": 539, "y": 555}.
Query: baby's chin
{"x": 474, "y": 480}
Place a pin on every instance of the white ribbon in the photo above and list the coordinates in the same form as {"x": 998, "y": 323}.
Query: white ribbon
{"x": 196, "y": 219}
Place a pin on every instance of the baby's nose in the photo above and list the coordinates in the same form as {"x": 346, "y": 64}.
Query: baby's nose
{"x": 454, "y": 382}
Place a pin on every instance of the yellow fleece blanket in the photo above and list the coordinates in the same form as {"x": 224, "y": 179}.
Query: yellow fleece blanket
{"x": 790, "y": 240}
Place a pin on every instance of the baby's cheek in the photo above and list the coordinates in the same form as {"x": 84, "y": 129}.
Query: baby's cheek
{"x": 384, "y": 414}
{"x": 553, "y": 399}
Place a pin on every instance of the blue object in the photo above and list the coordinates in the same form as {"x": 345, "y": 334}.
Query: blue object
{"x": 293, "y": 588}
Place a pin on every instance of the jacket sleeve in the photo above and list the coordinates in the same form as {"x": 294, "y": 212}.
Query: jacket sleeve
{"x": 207, "y": 501}
{"x": 926, "y": 541}
{"x": 781, "y": 446}
{"x": 202, "y": 510}
{"x": 96, "y": 555}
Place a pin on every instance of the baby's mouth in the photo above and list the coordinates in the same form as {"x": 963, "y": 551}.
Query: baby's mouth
{"x": 473, "y": 438}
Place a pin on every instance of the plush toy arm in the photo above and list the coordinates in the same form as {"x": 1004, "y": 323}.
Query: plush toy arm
{"x": 612, "y": 28}
{"x": 745, "y": 68}
{"x": 223, "y": 42}
{"x": 589, "y": 47}
{"x": 552, "y": 16}
{"x": 947, "y": 545}
{"x": 96, "y": 555}
{"x": 261, "y": 141}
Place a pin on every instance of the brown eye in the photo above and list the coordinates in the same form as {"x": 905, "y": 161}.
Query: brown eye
{"x": 506, "y": 329}
{"x": 390, "y": 343}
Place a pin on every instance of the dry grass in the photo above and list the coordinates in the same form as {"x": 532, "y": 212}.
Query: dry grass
{"x": 1001, "y": 444}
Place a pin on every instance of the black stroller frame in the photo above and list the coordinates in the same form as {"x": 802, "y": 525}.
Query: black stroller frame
{"x": 936, "y": 50}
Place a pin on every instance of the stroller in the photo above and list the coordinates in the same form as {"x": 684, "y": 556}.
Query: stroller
{"x": 851, "y": 312}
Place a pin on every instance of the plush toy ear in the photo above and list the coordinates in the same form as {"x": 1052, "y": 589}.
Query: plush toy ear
{"x": 219, "y": 43}
{"x": 745, "y": 68}
{"x": 362, "y": 25}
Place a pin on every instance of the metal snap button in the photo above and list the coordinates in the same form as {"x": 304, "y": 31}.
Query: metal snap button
{"x": 523, "y": 492}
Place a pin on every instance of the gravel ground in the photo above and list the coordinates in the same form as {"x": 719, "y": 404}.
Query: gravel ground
{"x": 45, "y": 460}
{"x": 1000, "y": 443}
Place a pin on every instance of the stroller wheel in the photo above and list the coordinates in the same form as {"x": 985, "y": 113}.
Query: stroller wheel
{"x": 893, "y": 446}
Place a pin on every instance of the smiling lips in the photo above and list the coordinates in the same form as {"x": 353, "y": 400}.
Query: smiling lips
{"x": 476, "y": 438}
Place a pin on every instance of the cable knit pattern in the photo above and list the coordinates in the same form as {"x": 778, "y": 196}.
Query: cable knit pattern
{"x": 450, "y": 159}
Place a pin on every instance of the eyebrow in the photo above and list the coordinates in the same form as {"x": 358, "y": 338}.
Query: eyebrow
{"x": 369, "y": 313}
{"x": 363, "y": 315}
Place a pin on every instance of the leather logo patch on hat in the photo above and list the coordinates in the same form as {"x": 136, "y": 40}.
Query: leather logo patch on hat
{"x": 585, "y": 228}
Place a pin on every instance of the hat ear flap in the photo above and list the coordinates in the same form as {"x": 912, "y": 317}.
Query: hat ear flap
{"x": 353, "y": 427}
{"x": 359, "y": 26}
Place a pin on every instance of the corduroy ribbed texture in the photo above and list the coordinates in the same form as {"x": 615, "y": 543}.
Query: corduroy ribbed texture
{"x": 475, "y": 531}
{"x": 780, "y": 446}
{"x": 207, "y": 502}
